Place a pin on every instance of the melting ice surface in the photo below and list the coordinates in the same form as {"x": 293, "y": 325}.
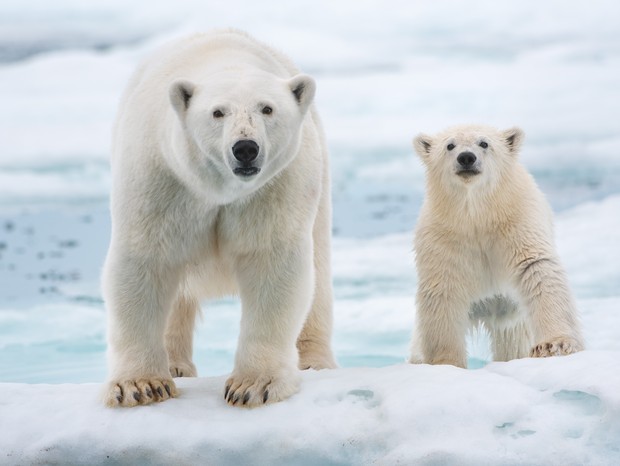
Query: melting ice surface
{"x": 385, "y": 71}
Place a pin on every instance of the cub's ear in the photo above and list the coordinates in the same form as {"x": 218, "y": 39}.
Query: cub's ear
{"x": 303, "y": 88}
{"x": 181, "y": 92}
{"x": 422, "y": 144}
{"x": 513, "y": 138}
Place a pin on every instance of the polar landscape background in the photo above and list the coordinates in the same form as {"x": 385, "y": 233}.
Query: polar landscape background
{"x": 385, "y": 71}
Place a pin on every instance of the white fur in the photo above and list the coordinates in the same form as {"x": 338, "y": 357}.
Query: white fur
{"x": 485, "y": 254}
{"x": 185, "y": 227}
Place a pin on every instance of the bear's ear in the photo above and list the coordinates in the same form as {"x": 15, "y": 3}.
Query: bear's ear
{"x": 303, "y": 88}
{"x": 181, "y": 92}
{"x": 513, "y": 138}
{"x": 422, "y": 144}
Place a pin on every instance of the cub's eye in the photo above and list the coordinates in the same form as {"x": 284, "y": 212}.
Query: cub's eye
{"x": 450, "y": 146}
{"x": 218, "y": 114}
{"x": 483, "y": 144}
{"x": 267, "y": 110}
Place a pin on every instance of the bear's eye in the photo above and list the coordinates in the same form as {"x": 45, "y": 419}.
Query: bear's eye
{"x": 483, "y": 144}
{"x": 218, "y": 114}
{"x": 267, "y": 110}
{"x": 450, "y": 146}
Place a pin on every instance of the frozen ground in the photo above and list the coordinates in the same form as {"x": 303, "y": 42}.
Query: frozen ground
{"x": 522, "y": 412}
{"x": 385, "y": 71}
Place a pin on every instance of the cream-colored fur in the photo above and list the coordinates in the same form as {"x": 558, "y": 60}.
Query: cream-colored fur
{"x": 187, "y": 225}
{"x": 485, "y": 254}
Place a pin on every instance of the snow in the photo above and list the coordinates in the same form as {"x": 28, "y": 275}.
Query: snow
{"x": 386, "y": 70}
{"x": 562, "y": 410}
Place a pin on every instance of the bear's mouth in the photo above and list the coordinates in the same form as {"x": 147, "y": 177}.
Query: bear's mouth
{"x": 246, "y": 172}
{"x": 468, "y": 172}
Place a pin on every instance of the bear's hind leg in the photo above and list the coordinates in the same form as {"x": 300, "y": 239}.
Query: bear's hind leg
{"x": 511, "y": 337}
{"x": 180, "y": 336}
{"x": 511, "y": 342}
{"x": 314, "y": 342}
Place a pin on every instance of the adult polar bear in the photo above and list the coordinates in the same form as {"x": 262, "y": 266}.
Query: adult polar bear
{"x": 485, "y": 253}
{"x": 220, "y": 186}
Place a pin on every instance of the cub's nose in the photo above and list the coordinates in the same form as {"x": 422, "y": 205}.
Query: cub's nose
{"x": 245, "y": 150}
{"x": 466, "y": 159}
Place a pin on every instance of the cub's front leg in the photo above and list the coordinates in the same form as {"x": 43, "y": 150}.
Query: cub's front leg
{"x": 441, "y": 327}
{"x": 551, "y": 306}
{"x": 139, "y": 295}
{"x": 276, "y": 288}
{"x": 446, "y": 284}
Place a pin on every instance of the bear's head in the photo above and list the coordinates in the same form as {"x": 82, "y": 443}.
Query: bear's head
{"x": 242, "y": 128}
{"x": 469, "y": 155}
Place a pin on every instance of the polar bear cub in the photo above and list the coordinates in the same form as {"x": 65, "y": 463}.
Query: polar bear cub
{"x": 220, "y": 186}
{"x": 485, "y": 253}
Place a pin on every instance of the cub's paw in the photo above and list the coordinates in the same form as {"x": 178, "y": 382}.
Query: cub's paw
{"x": 559, "y": 346}
{"x": 144, "y": 391}
{"x": 261, "y": 389}
{"x": 183, "y": 369}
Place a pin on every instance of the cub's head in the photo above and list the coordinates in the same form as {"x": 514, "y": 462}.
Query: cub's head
{"x": 469, "y": 155}
{"x": 241, "y": 127}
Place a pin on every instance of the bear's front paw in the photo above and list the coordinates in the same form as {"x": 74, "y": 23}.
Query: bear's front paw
{"x": 143, "y": 391}
{"x": 559, "y": 346}
{"x": 252, "y": 391}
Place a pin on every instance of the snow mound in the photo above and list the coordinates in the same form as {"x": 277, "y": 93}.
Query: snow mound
{"x": 546, "y": 411}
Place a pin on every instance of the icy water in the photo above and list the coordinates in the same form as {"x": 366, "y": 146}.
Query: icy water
{"x": 383, "y": 76}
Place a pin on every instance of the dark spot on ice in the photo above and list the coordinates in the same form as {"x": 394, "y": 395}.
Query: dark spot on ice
{"x": 70, "y": 243}
{"x": 504, "y": 425}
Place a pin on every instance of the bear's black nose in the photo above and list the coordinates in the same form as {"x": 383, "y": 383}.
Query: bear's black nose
{"x": 245, "y": 150}
{"x": 466, "y": 159}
